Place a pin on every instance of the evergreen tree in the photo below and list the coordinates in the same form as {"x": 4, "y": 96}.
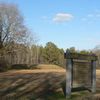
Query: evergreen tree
{"x": 51, "y": 53}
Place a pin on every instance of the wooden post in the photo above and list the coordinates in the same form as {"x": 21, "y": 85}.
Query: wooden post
{"x": 93, "y": 65}
{"x": 68, "y": 77}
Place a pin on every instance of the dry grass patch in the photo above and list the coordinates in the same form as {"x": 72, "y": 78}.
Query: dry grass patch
{"x": 30, "y": 83}
{"x": 35, "y": 83}
{"x": 48, "y": 66}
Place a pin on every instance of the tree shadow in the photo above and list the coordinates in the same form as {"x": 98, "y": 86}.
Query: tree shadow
{"x": 17, "y": 85}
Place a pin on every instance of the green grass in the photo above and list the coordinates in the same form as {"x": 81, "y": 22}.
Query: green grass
{"x": 77, "y": 96}
{"x": 60, "y": 96}
{"x": 83, "y": 95}
{"x": 54, "y": 96}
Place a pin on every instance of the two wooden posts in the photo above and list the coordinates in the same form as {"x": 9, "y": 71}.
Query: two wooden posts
{"x": 80, "y": 72}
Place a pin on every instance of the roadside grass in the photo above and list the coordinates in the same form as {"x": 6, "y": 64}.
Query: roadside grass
{"x": 83, "y": 95}
{"x": 59, "y": 96}
{"x": 54, "y": 96}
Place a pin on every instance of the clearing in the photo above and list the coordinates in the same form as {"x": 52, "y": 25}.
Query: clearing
{"x": 34, "y": 84}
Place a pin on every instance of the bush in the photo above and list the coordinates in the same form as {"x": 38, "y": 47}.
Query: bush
{"x": 4, "y": 66}
{"x": 34, "y": 66}
{"x": 20, "y": 66}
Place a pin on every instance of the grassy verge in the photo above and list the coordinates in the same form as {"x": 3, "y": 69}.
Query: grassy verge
{"x": 84, "y": 95}
{"x": 54, "y": 96}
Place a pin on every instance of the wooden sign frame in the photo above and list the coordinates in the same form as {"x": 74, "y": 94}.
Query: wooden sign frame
{"x": 70, "y": 57}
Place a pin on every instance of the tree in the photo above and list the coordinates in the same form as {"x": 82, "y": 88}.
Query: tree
{"x": 61, "y": 58}
{"x": 85, "y": 52}
{"x": 51, "y": 53}
{"x": 40, "y": 55}
{"x": 14, "y": 35}
{"x": 12, "y": 26}
{"x": 96, "y": 50}
{"x": 72, "y": 49}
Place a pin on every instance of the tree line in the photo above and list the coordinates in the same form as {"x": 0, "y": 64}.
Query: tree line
{"x": 35, "y": 54}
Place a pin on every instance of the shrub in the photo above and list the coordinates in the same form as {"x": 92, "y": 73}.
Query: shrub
{"x": 20, "y": 66}
{"x": 4, "y": 66}
{"x": 34, "y": 66}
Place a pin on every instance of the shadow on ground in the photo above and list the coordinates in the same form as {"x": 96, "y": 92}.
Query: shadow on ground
{"x": 36, "y": 84}
{"x": 31, "y": 85}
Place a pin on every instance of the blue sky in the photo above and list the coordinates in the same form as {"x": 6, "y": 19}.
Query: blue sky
{"x": 67, "y": 23}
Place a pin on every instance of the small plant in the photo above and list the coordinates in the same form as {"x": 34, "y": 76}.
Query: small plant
{"x": 19, "y": 66}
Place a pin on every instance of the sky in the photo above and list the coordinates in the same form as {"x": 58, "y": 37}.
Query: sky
{"x": 67, "y": 23}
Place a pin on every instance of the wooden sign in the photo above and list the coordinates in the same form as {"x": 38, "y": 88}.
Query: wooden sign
{"x": 80, "y": 72}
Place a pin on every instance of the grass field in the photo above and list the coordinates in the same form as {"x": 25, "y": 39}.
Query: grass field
{"x": 43, "y": 83}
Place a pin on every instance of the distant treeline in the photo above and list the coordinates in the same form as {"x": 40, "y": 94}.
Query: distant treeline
{"x": 30, "y": 55}
{"x": 50, "y": 54}
{"x": 21, "y": 54}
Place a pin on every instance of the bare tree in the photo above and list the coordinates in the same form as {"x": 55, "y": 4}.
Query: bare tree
{"x": 12, "y": 26}
{"x": 15, "y": 37}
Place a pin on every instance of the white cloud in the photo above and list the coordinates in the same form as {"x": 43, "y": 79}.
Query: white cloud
{"x": 62, "y": 17}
